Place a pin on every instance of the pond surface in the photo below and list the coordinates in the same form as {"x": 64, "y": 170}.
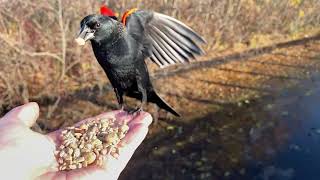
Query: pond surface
{"x": 274, "y": 137}
{"x": 299, "y": 157}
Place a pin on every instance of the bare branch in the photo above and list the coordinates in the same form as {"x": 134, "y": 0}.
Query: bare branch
{"x": 14, "y": 46}
{"x": 63, "y": 39}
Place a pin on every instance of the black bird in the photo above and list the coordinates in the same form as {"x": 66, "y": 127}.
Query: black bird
{"x": 122, "y": 47}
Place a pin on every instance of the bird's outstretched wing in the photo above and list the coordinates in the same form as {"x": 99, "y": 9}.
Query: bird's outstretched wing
{"x": 166, "y": 40}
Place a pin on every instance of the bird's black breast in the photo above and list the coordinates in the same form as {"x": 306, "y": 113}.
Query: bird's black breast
{"x": 118, "y": 61}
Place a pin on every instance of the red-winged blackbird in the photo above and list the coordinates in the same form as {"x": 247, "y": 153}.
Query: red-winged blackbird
{"x": 122, "y": 47}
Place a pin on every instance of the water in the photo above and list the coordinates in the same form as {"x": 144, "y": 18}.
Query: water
{"x": 274, "y": 137}
{"x": 299, "y": 158}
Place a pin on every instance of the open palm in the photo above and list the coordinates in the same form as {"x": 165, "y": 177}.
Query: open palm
{"x": 32, "y": 154}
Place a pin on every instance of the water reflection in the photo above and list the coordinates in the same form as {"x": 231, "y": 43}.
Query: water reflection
{"x": 275, "y": 137}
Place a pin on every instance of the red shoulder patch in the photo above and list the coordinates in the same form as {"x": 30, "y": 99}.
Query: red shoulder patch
{"x": 104, "y": 10}
{"x": 127, "y": 14}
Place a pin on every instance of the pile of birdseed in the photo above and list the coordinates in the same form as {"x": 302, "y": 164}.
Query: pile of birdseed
{"x": 89, "y": 143}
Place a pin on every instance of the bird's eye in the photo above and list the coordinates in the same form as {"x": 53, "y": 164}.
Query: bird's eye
{"x": 97, "y": 25}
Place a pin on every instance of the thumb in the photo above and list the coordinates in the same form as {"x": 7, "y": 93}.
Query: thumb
{"x": 26, "y": 114}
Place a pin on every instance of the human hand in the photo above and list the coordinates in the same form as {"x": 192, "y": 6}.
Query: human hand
{"x": 26, "y": 154}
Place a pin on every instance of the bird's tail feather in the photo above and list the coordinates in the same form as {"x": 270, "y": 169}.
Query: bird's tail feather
{"x": 155, "y": 98}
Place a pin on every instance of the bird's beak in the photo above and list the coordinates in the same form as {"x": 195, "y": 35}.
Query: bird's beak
{"x": 84, "y": 35}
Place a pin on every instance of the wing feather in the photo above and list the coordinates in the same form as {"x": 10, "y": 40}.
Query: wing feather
{"x": 164, "y": 46}
{"x": 158, "y": 56}
{"x": 161, "y": 51}
{"x": 166, "y": 40}
{"x": 172, "y": 46}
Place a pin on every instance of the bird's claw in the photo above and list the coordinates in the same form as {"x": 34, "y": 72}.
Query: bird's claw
{"x": 135, "y": 111}
{"x": 121, "y": 107}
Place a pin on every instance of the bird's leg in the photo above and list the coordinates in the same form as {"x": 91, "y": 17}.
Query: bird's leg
{"x": 156, "y": 114}
{"x": 119, "y": 95}
{"x": 143, "y": 100}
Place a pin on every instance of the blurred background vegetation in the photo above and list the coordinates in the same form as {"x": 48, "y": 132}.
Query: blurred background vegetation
{"x": 39, "y": 57}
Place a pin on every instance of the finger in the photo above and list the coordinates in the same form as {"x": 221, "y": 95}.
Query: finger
{"x": 26, "y": 114}
{"x": 138, "y": 133}
{"x": 143, "y": 118}
{"x": 134, "y": 136}
{"x": 128, "y": 118}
